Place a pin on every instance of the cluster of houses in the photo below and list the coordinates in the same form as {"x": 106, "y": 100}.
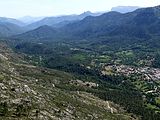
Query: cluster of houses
{"x": 151, "y": 75}
{"x": 147, "y": 72}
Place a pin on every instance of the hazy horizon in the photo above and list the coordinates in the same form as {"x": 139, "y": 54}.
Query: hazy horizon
{"x": 38, "y": 8}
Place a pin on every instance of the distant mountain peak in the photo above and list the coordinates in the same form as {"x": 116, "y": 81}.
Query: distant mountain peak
{"x": 87, "y": 12}
{"x": 30, "y": 19}
{"x": 41, "y": 32}
{"x": 44, "y": 28}
{"x": 125, "y": 9}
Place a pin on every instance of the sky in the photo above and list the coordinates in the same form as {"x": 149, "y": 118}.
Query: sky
{"x": 20, "y": 8}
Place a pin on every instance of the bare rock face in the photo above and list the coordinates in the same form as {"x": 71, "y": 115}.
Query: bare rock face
{"x": 2, "y": 57}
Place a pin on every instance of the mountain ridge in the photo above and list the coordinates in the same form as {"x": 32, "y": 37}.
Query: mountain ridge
{"x": 55, "y": 20}
{"x": 134, "y": 24}
{"x": 11, "y": 20}
{"x": 9, "y": 29}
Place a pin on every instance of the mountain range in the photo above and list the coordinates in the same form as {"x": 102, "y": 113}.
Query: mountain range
{"x": 51, "y": 21}
{"x": 10, "y": 26}
{"x": 30, "y": 23}
{"x": 142, "y": 24}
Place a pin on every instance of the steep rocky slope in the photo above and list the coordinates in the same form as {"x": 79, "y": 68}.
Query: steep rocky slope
{"x": 30, "y": 92}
